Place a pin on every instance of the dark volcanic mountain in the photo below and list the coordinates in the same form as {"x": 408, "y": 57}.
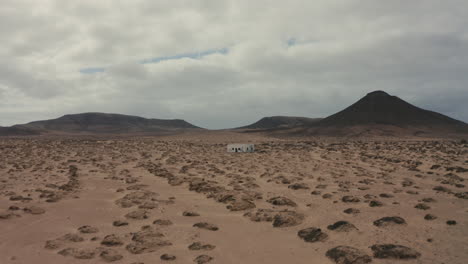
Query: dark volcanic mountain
{"x": 381, "y": 108}
{"x": 379, "y": 113}
{"x": 102, "y": 123}
{"x": 273, "y": 122}
{"x": 17, "y": 131}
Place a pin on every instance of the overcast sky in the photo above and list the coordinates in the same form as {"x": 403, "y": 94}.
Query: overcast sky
{"x": 220, "y": 64}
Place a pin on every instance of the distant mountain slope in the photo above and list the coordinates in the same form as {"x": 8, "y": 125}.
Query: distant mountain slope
{"x": 17, "y": 131}
{"x": 273, "y": 122}
{"x": 381, "y": 108}
{"x": 101, "y": 123}
{"x": 379, "y": 113}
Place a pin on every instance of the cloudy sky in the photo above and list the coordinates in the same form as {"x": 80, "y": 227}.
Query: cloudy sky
{"x": 221, "y": 64}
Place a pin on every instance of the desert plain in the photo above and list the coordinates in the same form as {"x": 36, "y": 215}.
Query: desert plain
{"x": 185, "y": 199}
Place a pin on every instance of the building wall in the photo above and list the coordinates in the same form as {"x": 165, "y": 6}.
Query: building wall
{"x": 240, "y": 148}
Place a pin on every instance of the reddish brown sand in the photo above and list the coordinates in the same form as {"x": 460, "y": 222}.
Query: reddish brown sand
{"x": 50, "y": 187}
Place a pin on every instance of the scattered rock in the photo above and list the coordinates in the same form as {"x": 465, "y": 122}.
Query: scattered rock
{"x": 88, "y": 229}
{"x": 342, "y": 226}
{"x": 442, "y": 189}
{"x": 53, "y": 244}
{"x": 34, "y": 210}
{"x": 5, "y": 216}
{"x": 84, "y": 254}
{"x": 375, "y": 203}
{"x": 78, "y": 253}
{"x": 389, "y": 220}
{"x": 71, "y": 238}
{"x": 385, "y": 251}
{"x": 147, "y": 240}
{"x": 462, "y": 195}
{"x": 139, "y": 214}
{"x": 298, "y": 186}
{"x": 119, "y": 223}
{"x": 16, "y": 198}
{"x": 429, "y": 200}
{"x": 287, "y": 219}
{"x": 430, "y": 217}
{"x": 312, "y": 234}
{"x": 136, "y": 198}
{"x": 240, "y": 205}
{"x": 190, "y": 213}
{"x": 167, "y": 257}
{"x": 207, "y": 226}
{"x": 281, "y": 201}
{"x": 422, "y": 206}
{"x": 67, "y": 252}
{"x": 386, "y": 195}
{"x": 112, "y": 240}
{"x": 261, "y": 215}
{"x": 200, "y": 246}
{"x": 348, "y": 255}
{"x": 451, "y": 222}
{"x": 203, "y": 259}
{"x": 352, "y": 211}
{"x": 350, "y": 199}
{"x": 110, "y": 255}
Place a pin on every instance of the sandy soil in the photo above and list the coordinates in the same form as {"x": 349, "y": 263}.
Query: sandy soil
{"x": 184, "y": 199}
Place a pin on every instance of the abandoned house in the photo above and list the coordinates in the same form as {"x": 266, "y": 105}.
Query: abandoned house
{"x": 241, "y": 148}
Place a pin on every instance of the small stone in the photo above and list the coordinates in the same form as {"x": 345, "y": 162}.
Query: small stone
{"x": 200, "y": 246}
{"x": 430, "y": 217}
{"x": 119, "y": 223}
{"x": 352, "y": 211}
{"x": 190, "y": 213}
{"x": 139, "y": 214}
{"x": 375, "y": 203}
{"x": 52, "y": 244}
{"x": 287, "y": 219}
{"x": 207, "y": 226}
{"x": 110, "y": 255}
{"x": 312, "y": 234}
{"x": 167, "y": 257}
{"x": 111, "y": 241}
{"x": 422, "y": 206}
{"x": 342, "y": 226}
{"x": 389, "y": 220}
{"x": 88, "y": 229}
{"x": 348, "y": 255}
{"x": 298, "y": 186}
{"x": 203, "y": 259}
{"x": 350, "y": 199}
{"x": 281, "y": 201}
{"x": 390, "y": 251}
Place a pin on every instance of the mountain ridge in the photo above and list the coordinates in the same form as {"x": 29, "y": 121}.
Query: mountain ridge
{"x": 271, "y": 122}
{"x": 101, "y": 123}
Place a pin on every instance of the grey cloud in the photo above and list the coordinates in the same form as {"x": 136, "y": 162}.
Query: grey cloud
{"x": 343, "y": 49}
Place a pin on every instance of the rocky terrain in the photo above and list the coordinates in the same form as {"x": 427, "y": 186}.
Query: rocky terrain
{"x": 184, "y": 199}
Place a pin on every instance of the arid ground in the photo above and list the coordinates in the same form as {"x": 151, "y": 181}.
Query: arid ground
{"x": 184, "y": 199}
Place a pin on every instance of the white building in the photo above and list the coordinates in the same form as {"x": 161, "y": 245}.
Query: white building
{"x": 240, "y": 148}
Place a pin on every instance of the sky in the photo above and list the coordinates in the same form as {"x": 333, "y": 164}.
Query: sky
{"x": 227, "y": 63}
